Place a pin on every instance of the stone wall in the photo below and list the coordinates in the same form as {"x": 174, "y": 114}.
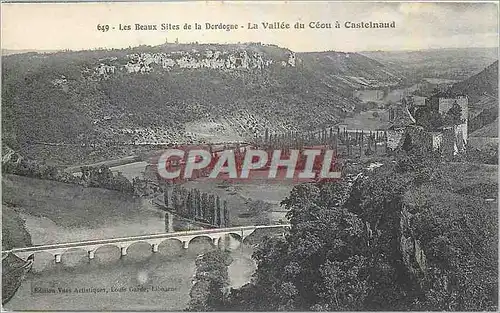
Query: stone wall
{"x": 437, "y": 140}
{"x": 395, "y": 139}
{"x": 445, "y": 105}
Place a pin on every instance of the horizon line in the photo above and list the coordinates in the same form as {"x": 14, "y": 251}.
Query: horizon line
{"x": 28, "y": 50}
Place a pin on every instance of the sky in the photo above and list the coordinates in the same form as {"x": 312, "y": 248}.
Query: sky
{"x": 418, "y": 25}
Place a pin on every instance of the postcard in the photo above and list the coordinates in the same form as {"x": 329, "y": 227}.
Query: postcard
{"x": 249, "y": 156}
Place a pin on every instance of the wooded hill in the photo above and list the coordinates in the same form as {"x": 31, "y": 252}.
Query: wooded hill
{"x": 70, "y": 99}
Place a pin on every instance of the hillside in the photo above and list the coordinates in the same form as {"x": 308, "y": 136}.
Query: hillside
{"x": 489, "y": 130}
{"x": 484, "y": 82}
{"x": 87, "y": 106}
{"x": 349, "y": 70}
{"x": 453, "y": 64}
{"x": 482, "y": 90}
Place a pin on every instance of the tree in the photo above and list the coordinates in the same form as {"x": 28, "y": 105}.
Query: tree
{"x": 430, "y": 120}
{"x": 226, "y": 214}
{"x": 166, "y": 198}
{"x": 211, "y": 280}
{"x": 199, "y": 212}
{"x": 189, "y": 204}
{"x": 218, "y": 207}
{"x": 454, "y": 114}
{"x": 204, "y": 206}
{"x": 399, "y": 237}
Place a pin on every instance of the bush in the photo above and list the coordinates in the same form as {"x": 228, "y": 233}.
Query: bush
{"x": 211, "y": 281}
{"x": 403, "y": 237}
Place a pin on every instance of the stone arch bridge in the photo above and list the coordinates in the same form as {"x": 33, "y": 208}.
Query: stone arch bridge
{"x": 154, "y": 240}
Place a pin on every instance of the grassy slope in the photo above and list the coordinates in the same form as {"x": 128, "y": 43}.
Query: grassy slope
{"x": 366, "y": 120}
{"x": 485, "y": 81}
{"x": 70, "y": 205}
{"x": 489, "y": 130}
{"x": 462, "y": 176}
{"x": 340, "y": 70}
{"x": 482, "y": 90}
{"x": 13, "y": 232}
{"x": 66, "y": 204}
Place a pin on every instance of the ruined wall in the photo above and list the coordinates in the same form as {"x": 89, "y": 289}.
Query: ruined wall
{"x": 420, "y": 137}
{"x": 394, "y": 139}
{"x": 445, "y": 105}
{"x": 449, "y": 148}
{"x": 415, "y": 136}
{"x": 437, "y": 140}
{"x": 461, "y": 131}
{"x": 461, "y": 137}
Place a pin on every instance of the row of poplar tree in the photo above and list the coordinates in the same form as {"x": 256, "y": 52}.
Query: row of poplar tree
{"x": 200, "y": 206}
{"x": 326, "y": 136}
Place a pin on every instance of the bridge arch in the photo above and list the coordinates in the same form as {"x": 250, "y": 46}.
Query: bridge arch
{"x": 125, "y": 247}
{"x": 95, "y": 250}
{"x": 171, "y": 240}
{"x": 170, "y": 246}
{"x": 43, "y": 260}
{"x": 73, "y": 256}
{"x": 246, "y": 233}
{"x": 236, "y": 234}
{"x": 209, "y": 238}
{"x": 231, "y": 240}
{"x": 133, "y": 243}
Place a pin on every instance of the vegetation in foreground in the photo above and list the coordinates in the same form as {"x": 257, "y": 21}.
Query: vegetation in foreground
{"x": 211, "y": 281}
{"x": 415, "y": 234}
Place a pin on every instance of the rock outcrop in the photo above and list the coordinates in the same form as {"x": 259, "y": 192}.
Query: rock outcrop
{"x": 210, "y": 59}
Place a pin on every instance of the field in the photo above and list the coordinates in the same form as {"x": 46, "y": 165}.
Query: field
{"x": 69, "y": 212}
{"x": 250, "y": 203}
{"x": 371, "y": 119}
{"x": 67, "y": 205}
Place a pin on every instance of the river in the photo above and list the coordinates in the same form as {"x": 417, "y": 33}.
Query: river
{"x": 141, "y": 280}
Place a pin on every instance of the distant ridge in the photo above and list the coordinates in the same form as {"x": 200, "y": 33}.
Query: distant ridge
{"x": 448, "y": 63}
{"x": 6, "y": 52}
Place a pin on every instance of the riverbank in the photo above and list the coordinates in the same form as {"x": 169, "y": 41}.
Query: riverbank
{"x": 14, "y": 233}
{"x": 50, "y": 212}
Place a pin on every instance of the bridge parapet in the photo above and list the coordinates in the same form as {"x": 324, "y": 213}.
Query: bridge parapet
{"x": 91, "y": 246}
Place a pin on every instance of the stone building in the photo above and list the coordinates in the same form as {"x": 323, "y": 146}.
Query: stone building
{"x": 400, "y": 118}
{"x": 448, "y": 141}
{"x": 442, "y": 103}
